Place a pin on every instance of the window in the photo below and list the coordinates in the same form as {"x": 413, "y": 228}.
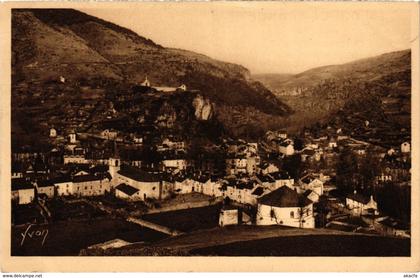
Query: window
{"x": 292, "y": 214}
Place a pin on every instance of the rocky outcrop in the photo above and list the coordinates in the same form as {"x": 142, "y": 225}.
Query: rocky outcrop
{"x": 204, "y": 109}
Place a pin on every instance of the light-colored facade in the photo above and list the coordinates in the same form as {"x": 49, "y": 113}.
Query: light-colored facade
{"x": 228, "y": 217}
{"x": 405, "y": 147}
{"x": 360, "y": 205}
{"x": 80, "y": 159}
{"x": 127, "y": 192}
{"x": 47, "y": 190}
{"x": 64, "y": 188}
{"x": 285, "y": 206}
{"x": 286, "y": 149}
{"x": 286, "y": 216}
{"x": 180, "y": 164}
{"x": 91, "y": 187}
{"x": 23, "y": 196}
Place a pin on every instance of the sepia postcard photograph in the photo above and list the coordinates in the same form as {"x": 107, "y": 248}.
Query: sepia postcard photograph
{"x": 228, "y": 132}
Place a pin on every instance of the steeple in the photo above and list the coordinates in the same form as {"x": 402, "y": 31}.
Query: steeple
{"x": 146, "y": 82}
{"x": 115, "y": 152}
{"x": 114, "y": 164}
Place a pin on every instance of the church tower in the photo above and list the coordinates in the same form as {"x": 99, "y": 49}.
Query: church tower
{"x": 114, "y": 164}
{"x": 146, "y": 82}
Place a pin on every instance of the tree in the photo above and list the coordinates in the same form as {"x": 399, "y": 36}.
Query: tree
{"x": 298, "y": 144}
{"x": 346, "y": 171}
{"x": 293, "y": 165}
{"x": 369, "y": 169}
{"x": 395, "y": 201}
{"x": 304, "y": 210}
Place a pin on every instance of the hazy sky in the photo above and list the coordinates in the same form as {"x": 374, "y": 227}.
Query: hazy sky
{"x": 271, "y": 37}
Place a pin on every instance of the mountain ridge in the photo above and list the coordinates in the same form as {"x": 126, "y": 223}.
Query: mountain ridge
{"x": 84, "y": 49}
{"x": 376, "y": 89}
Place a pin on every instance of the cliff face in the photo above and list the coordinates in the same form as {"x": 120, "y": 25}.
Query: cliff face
{"x": 203, "y": 108}
{"x": 87, "y": 50}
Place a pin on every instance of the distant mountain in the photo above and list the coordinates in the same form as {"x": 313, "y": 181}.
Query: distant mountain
{"x": 48, "y": 43}
{"x": 272, "y": 81}
{"x": 377, "y": 90}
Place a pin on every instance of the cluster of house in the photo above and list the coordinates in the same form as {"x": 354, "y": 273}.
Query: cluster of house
{"x": 241, "y": 157}
{"x": 134, "y": 184}
{"x": 279, "y": 142}
{"x": 275, "y": 190}
{"x": 93, "y": 182}
{"x": 279, "y": 199}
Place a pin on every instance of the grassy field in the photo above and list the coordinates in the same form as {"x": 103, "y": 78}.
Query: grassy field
{"x": 77, "y": 211}
{"x": 23, "y": 214}
{"x": 187, "y": 220}
{"x": 315, "y": 245}
{"x": 67, "y": 238}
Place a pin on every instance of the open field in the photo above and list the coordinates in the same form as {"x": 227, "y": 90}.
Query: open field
{"x": 187, "y": 220}
{"x": 316, "y": 245}
{"x": 23, "y": 214}
{"x": 67, "y": 238}
{"x": 238, "y": 236}
{"x": 80, "y": 210}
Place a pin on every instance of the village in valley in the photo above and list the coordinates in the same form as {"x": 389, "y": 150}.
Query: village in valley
{"x": 123, "y": 147}
{"x": 148, "y": 177}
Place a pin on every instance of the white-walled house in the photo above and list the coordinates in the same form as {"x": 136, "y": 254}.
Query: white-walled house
{"x": 64, "y": 186}
{"x": 109, "y": 134}
{"x": 72, "y": 138}
{"x": 23, "y": 192}
{"x": 53, "y": 133}
{"x": 213, "y": 187}
{"x": 228, "y": 216}
{"x": 173, "y": 144}
{"x": 148, "y": 184}
{"x": 127, "y": 192}
{"x": 91, "y": 185}
{"x": 267, "y": 181}
{"x": 77, "y": 159}
{"x": 281, "y": 178}
{"x": 242, "y": 165}
{"x": 241, "y": 192}
{"x": 269, "y": 168}
{"x": 45, "y": 187}
{"x": 312, "y": 182}
{"x": 285, "y": 206}
{"x": 405, "y": 147}
{"x": 361, "y": 205}
{"x": 236, "y": 165}
{"x": 286, "y": 148}
{"x": 175, "y": 163}
{"x": 311, "y": 195}
{"x": 181, "y": 185}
